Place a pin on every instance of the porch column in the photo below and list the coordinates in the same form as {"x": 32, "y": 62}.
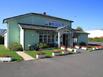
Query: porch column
{"x": 70, "y": 39}
{"x": 58, "y": 39}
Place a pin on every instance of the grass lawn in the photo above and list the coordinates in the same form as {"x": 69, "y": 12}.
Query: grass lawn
{"x": 7, "y": 52}
{"x": 48, "y": 52}
{"x": 33, "y": 53}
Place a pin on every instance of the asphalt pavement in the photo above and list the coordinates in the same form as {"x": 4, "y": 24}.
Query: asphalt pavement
{"x": 89, "y": 64}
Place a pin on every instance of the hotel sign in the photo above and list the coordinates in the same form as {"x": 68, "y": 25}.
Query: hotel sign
{"x": 55, "y": 23}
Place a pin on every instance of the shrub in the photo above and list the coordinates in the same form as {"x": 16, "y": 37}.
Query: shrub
{"x": 82, "y": 44}
{"x": 1, "y": 40}
{"x": 16, "y": 47}
{"x": 42, "y": 45}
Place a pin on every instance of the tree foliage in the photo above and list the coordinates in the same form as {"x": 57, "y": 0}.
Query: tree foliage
{"x": 1, "y": 40}
{"x": 79, "y": 28}
{"x": 97, "y": 39}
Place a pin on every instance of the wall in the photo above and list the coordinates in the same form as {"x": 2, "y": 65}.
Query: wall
{"x": 31, "y": 38}
{"x": 5, "y": 40}
{"x": 41, "y": 20}
{"x": 15, "y": 34}
{"x": 22, "y": 37}
{"x": 83, "y": 38}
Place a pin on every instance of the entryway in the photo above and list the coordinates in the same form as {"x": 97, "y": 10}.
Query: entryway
{"x": 65, "y": 40}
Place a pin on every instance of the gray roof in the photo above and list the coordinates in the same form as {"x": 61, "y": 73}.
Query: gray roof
{"x": 37, "y": 14}
{"x": 79, "y": 32}
{"x": 37, "y": 27}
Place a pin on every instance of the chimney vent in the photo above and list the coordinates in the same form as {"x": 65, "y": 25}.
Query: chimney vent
{"x": 44, "y": 13}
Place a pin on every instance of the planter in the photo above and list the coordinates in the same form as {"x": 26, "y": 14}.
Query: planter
{"x": 5, "y": 59}
{"x": 70, "y": 49}
{"x": 40, "y": 56}
{"x": 56, "y": 53}
{"x": 84, "y": 48}
{"x": 77, "y": 47}
{"x": 93, "y": 48}
{"x": 62, "y": 48}
{"x": 75, "y": 51}
{"x": 64, "y": 52}
{"x": 99, "y": 47}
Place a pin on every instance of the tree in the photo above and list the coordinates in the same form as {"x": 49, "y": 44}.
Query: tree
{"x": 1, "y": 40}
{"x": 79, "y": 28}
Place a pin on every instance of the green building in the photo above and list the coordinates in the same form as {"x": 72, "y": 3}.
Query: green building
{"x": 32, "y": 28}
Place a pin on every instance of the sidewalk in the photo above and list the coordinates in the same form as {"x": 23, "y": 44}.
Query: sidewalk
{"x": 25, "y": 56}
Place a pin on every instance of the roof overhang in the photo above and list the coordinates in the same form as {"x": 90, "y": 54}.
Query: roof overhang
{"x": 37, "y": 27}
{"x": 6, "y": 19}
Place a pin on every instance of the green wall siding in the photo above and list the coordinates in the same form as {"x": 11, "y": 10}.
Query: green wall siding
{"x": 13, "y": 32}
{"x": 31, "y": 37}
{"x": 40, "y": 20}
{"x": 83, "y": 38}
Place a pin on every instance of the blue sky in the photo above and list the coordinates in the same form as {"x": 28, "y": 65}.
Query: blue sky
{"x": 85, "y": 13}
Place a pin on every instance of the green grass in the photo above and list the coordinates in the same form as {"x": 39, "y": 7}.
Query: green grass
{"x": 7, "y": 52}
{"x": 31, "y": 53}
{"x": 46, "y": 51}
{"x": 96, "y": 39}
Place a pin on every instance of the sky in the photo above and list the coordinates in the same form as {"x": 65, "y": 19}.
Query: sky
{"x": 87, "y": 14}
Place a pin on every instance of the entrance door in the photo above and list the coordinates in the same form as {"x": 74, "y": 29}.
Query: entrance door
{"x": 65, "y": 40}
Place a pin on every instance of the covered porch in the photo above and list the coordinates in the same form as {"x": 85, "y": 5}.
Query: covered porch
{"x": 65, "y": 37}
{"x": 34, "y": 34}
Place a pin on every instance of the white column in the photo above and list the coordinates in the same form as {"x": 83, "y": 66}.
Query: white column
{"x": 54, "y": 38}
{"x": 22, "y": 37}
{"x": 70, "y": 39}
{"x": 58, "y": 39}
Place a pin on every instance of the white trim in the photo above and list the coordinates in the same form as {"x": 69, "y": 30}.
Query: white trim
{"x": 6, "y": 37}
{"x": 5, "y": 40}
{"x": 58, "y": 39}
{"x": 22, "y": 37}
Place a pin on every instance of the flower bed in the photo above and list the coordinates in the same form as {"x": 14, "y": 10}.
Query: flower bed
{"x": 99, "y": 47}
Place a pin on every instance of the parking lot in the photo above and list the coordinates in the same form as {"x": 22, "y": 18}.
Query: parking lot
{"x": 86, "y": 64}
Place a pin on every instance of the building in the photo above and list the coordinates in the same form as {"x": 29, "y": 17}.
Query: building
{"x": 33, "y": 28}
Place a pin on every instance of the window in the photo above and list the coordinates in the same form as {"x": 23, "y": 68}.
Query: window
{"x": 40, "y": 38}
{"x": 46, "y": 38}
